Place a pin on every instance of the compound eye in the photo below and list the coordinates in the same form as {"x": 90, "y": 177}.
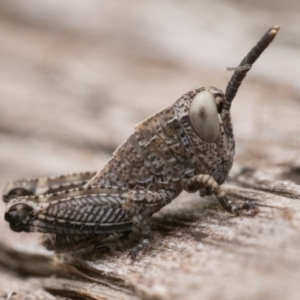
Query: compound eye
{"x": 204, "y": 116}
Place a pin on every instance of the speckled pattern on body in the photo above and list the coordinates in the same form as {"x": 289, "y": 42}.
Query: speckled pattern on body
{"x": 167, "y": 153}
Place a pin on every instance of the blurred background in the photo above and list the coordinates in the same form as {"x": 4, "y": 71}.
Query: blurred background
{"x": 76, "y": 76}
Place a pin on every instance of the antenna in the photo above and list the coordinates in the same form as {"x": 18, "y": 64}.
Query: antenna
{"x": 241, "y": 71}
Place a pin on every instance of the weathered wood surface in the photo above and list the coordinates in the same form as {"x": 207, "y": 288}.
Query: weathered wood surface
{"x": 74, "y": 80}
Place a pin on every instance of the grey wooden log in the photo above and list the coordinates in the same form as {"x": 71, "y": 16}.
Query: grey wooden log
{"x": 197, "y": 250}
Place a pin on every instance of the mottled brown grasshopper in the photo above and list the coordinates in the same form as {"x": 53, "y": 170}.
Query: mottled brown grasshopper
{"x": 187, "y": 146}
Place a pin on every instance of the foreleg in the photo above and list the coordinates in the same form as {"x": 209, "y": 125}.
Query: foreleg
{"x": 207, "y": 182}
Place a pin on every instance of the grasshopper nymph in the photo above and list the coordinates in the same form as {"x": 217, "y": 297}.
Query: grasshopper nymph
{"x": 187, "y": 146}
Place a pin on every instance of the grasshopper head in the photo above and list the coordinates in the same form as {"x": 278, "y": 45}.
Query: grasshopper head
{"x": 210, "y": 107}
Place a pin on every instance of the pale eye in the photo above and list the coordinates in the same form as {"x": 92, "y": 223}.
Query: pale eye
{"x": 204, "y": 116}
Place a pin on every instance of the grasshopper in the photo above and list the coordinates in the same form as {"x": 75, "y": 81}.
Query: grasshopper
{"x": 186, "y": 146}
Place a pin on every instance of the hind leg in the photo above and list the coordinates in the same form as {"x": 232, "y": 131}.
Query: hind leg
{"x": 77, "y": 216}
{"x": 61, "y": 243}
{"x": 45, "y": 185}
